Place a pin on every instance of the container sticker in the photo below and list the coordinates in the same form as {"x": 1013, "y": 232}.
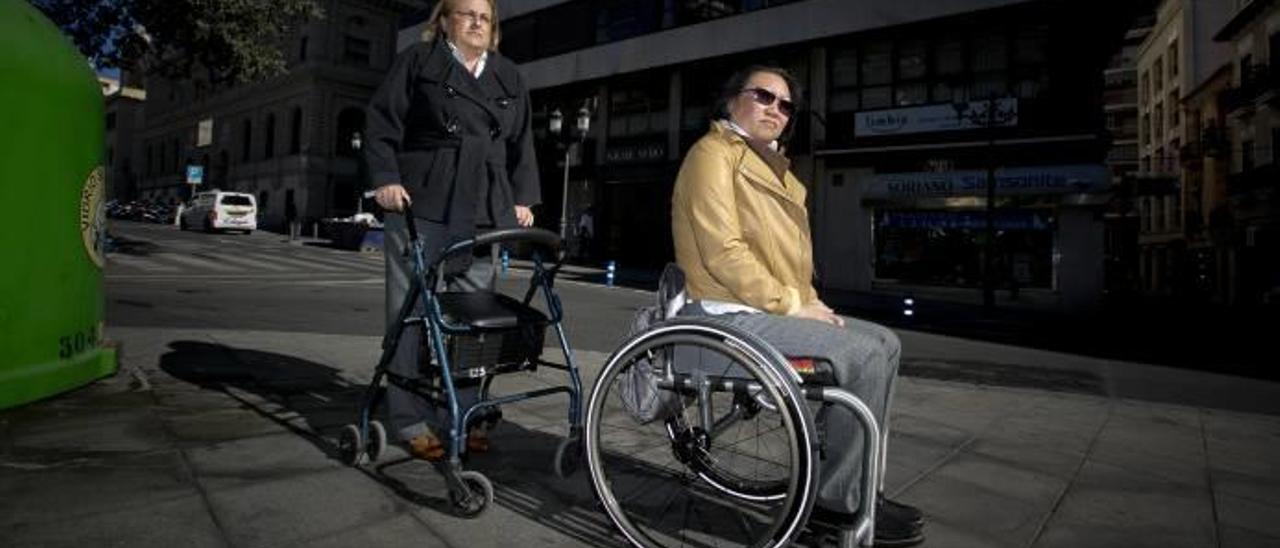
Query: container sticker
{"x": 93, "y": 220}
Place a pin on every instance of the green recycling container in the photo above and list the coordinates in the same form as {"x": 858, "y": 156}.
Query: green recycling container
{"x": 52, "y": 225}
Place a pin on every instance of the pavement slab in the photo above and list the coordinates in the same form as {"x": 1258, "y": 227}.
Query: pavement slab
{"x": 231, "y": 442}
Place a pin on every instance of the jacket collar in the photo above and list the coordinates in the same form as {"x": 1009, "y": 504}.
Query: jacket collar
{"x": 441, "y": 66}
{"x": 756, "y": 169}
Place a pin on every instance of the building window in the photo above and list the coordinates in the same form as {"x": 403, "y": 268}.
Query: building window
{"x": 295, "y": 131}
{"x": 1273, "y": 45}
{"x": 1246, "y": 155}
{"x": 269, "y": 143}
{"x": 1174, "y": 108}
{"x": 1157, "y": 117}
{"x": 302, "y": 50}
{"x": 355, "y": 50}
{"x": 1144, "y": 86}
{"x": 639, "y": 109}
{"x": 1172, "y": 56}
{"x": 1275, "y": 146}
{"x": 1246, "y": 69}
{"x": 246, "y": 140}
{"x": 1157, "y": 69}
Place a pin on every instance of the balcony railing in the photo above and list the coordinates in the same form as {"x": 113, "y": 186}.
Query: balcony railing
{"x": 1255, "y": 83}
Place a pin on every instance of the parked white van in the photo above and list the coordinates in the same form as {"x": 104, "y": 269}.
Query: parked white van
{"x": 220, "y": 210}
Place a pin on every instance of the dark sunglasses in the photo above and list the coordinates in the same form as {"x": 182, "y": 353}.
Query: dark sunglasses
{"x": 766, "y": 98}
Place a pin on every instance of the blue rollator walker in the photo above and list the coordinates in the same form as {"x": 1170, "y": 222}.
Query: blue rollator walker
{"x": 473, "y": 336}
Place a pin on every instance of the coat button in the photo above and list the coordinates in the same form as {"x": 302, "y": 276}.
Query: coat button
{"x": 451, "y": 126}
{"x": 448, "y": 90}
{"x": 495, "y": 130}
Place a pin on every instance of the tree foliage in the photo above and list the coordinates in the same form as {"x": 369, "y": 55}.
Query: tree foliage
{"x": 233, "y": 40}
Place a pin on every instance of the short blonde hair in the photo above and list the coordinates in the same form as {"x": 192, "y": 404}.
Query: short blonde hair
{"x": 435, "y": 23}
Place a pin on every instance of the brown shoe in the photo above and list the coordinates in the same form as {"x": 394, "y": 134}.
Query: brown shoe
{"x": 426, "y": 447}
{"x": 478, "y": 441}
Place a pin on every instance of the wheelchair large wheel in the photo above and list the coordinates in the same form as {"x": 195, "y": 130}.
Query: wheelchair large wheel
{"x": 729, "y": 462}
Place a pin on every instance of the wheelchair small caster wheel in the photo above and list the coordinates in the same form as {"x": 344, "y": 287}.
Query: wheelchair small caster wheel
{"x": 475, "y": 498}
{"x": 568, "y": 457}
{"x": 351, "y": 446}
{"x": 376, "y": 445}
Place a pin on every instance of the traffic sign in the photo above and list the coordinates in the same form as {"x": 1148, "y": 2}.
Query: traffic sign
{"x": 195, "y": 175}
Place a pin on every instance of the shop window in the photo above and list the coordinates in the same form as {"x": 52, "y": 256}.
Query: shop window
{"x": 942, "y": 247}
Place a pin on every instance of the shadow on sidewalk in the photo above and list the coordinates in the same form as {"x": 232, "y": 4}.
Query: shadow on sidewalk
{"x": 314, "y": 401}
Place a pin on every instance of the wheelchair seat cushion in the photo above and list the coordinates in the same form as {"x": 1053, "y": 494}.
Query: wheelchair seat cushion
{"x": 488, "y": 311}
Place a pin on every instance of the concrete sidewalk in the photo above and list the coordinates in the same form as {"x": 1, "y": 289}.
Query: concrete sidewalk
{"x": 226, "y": 438}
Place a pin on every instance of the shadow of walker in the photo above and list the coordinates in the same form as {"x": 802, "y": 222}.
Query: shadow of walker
{"x": 314, "y": 401}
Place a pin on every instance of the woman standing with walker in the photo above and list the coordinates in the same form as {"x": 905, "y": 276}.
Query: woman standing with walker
{"x": 449, "y": 143}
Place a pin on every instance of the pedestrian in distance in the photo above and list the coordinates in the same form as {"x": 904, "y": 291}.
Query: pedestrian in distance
{"x": 291, "y": 218}
{"x": 741, "y": 231}
{"x": 586, "y": 231}
{"x": 449, "y": 142}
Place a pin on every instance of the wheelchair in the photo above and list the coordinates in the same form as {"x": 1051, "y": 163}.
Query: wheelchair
{"x": 698, "y": 434}
{"x": 472, "y": 337}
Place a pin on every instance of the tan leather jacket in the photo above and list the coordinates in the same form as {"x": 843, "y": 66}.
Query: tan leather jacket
{"x": 741, "y": 233}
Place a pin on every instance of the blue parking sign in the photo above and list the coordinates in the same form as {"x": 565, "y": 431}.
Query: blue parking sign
{"x": 195, "y": 175}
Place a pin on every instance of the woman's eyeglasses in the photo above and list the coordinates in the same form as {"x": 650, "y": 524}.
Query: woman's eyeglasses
{"x": 474, "y": 17}
{"x": 765, "y": 98}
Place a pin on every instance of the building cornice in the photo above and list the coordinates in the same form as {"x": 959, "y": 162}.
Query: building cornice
{"x": 1241, "y": 20}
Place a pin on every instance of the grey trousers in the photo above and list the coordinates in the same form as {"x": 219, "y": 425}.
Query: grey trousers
{"x": 408, "y": 414}
{"x": 865, "y": 358}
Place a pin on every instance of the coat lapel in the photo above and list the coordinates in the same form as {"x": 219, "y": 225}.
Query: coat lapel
{"x": 469, "y": 86}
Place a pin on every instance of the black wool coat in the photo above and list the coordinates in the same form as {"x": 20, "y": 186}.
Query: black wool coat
{"x": 462, "y": 146}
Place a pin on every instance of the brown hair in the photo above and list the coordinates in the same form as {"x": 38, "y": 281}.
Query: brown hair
{"x": 435, "y": 23}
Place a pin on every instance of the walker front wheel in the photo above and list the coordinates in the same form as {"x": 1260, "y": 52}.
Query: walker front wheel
{"x": 473, "y": 496}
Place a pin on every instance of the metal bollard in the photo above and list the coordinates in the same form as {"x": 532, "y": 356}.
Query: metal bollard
{"x": 506, "y": 261}
{"x": 609, "y": 269}
{"x": 908, "y": 306}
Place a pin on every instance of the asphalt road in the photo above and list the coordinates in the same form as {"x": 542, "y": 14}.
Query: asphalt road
{"x": 158, "y": 276}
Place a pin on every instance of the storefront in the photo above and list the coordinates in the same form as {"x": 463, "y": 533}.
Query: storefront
{"x": 911, "y": 231}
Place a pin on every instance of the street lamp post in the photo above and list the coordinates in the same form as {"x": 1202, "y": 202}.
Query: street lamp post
{"x": 357, "y": 142}
{"x": 989, "y": 119}
{"x": 555, "y": 124}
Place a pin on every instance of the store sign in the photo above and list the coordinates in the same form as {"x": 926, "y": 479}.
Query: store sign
{"x": 648, "y": 152}
{"x": 930, "y": 118}
{"x": 1069, "y": 179}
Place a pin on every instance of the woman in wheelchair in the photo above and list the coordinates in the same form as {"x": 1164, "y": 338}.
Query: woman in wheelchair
{"x": 449, "y": 142}
{"x": 741, "y": 233}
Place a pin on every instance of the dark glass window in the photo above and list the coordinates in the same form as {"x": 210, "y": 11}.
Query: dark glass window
{"x": 295, "y": 132}
{"x": 246, "y": 140}
{"x": 355, "y": 50}
{"x": 269, "y": 144}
